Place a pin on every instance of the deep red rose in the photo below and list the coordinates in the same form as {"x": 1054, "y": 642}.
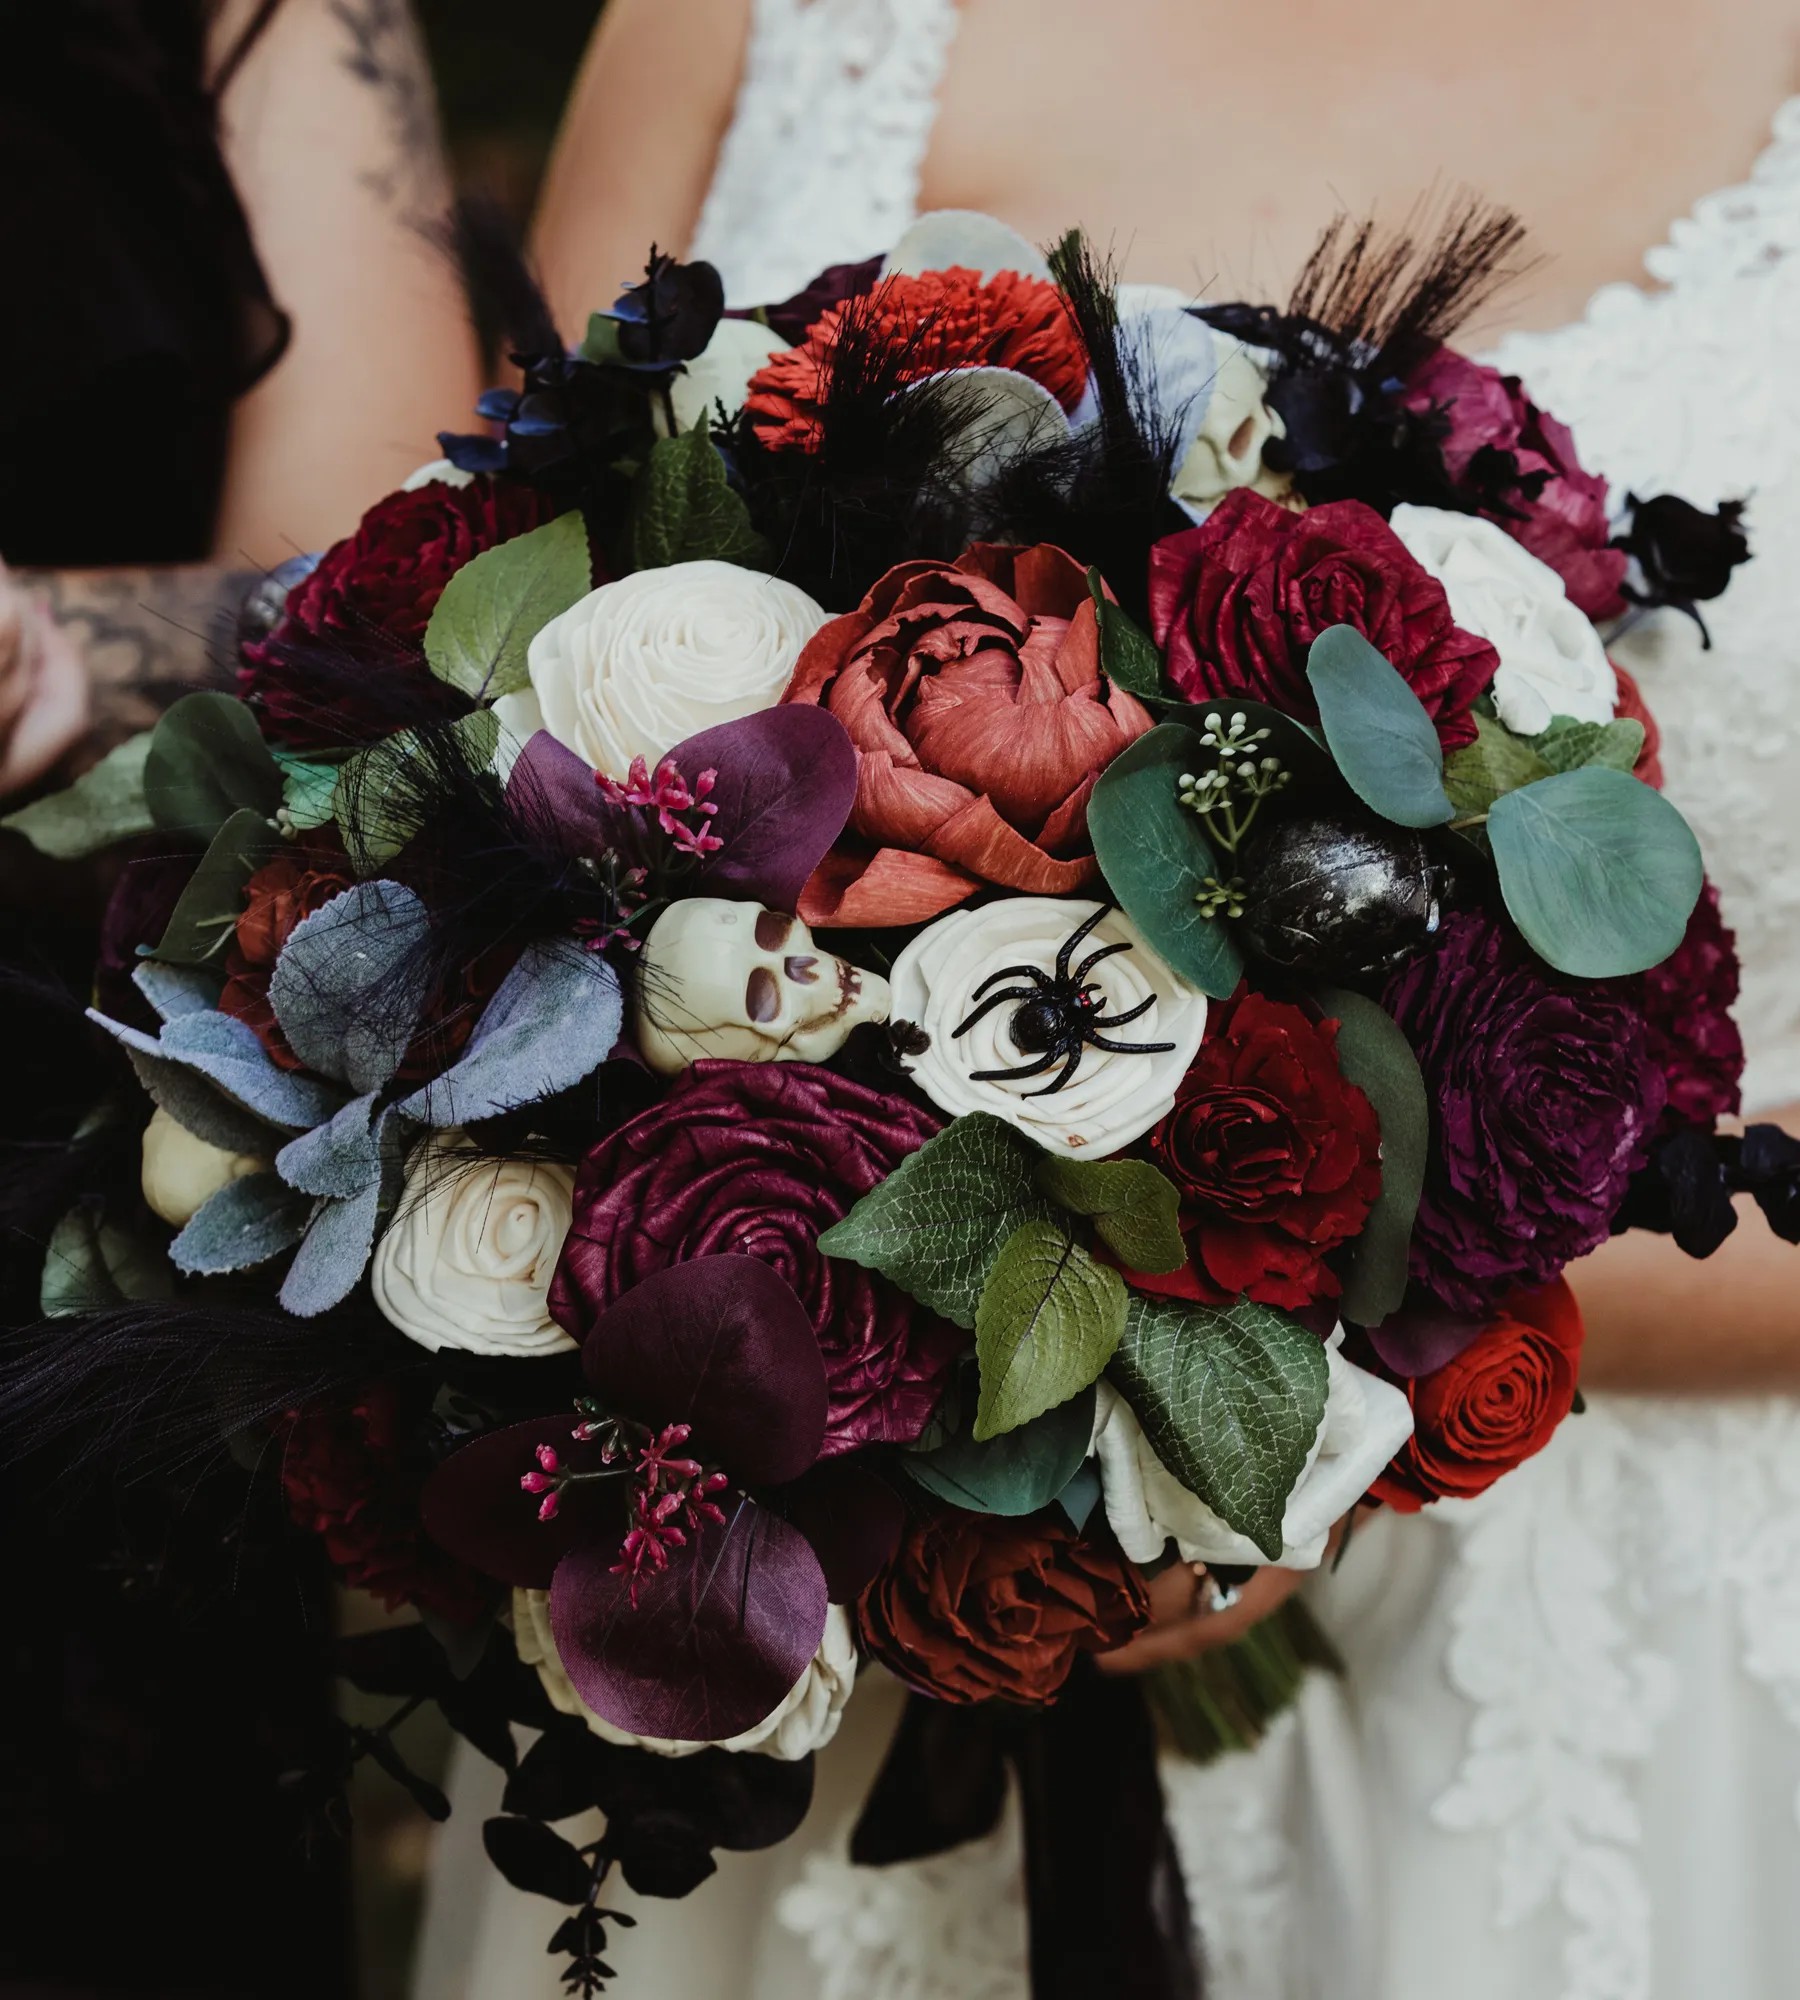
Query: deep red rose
{"x": 1238, "y": 601}
{"x": 1276, "y": 1156}
{"x": 972, "y": 692}
{"x": 975, "y": 1607}
{"x": 933, "y": 320}
{"x": 1689, "y": 1033}
{"x": 1493, "y": 1406}
{"x": 366, "y": 607}
{"x": 1515, "y": 464}
{"x": 350, "y": 1480}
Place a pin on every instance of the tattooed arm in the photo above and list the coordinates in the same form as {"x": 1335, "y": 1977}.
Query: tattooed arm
{"x": 331, "y": 136}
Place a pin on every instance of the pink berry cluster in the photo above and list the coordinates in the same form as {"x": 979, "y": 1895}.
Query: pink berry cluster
{"x": 668, "y": 794}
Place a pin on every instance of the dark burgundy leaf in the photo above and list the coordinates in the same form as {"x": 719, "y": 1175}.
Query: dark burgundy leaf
{"x": 473, "y": 1504}
{"x": 1421, "y": 1337}
{"x": 661, "y": 1854}
{"x": 715, "y": 1640}
{"x": 398, "y": 1660}
{"x": 942, "y": 1783}
{"x": 852, "y": 1517}
{"x": 555, "y": 790}
{"x": 723, "y": 1344}
{"x": 751, "y": 1801}
{"x": 536, "y": 1860}
{"x": 423, "y": 1793}
{"x": 558, "y": 1776}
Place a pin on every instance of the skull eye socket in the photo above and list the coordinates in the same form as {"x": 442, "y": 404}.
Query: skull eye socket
{"x": 802, "y": 971}
{"x": 762, "y": 995}
{"x": 773, "y": 929}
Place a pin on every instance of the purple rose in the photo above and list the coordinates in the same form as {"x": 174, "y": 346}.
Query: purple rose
{"x": 1515, "y": 464}
{"x": 1692, "y": 1038}
{"x": 759, "y": 1160}
{"x": 1544, "y": 1099}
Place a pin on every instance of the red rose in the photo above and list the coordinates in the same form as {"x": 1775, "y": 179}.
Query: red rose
{"x": 366, "y": 607}
{"x": 1276, "y": 1156}
{"x": 1493, "y": 1406}
{"x": 933, "y": 321}
{"x": 975, "y": 1607}
{"x": 1237, "y": 601}
{"x": 972, "y": 692}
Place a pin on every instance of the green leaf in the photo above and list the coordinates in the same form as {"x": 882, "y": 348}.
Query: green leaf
{"x": 1134, "y": 1209}
{"x": 1375, "y": 1056}
{"x": 1231, "y": 1399}
{"x": 104, "y": 805}
{"x": 1385, "y": 744}
{"x": 1050, "y": 1317}
{"x": 207, "y": 761}
{"x": 376, "y": 800}
{"x": 1128, "y": 655}
{"x": 499, "y": 601}
{"x": 1497, "y": 762}
{"x": 936, "y": 1224}
{"x": 601, "y": 345}
{"x": 92, "y": 1263}
{"x": 1568, "y": 745}
{"x": 1598, "y": 871}
{"x": 308, "y": 789}
{"x": 1012, "y": 1475}
{"x": 1155, "y": 855}
{"x": 206, "y": 914}
{"x": 683, "y": 508}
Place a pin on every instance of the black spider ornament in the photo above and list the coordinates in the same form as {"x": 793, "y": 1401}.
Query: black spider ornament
{"x": 1059, "y": 1013}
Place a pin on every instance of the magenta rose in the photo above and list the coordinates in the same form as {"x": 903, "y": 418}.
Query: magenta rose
{"x": 1690, "y": 1034}
{"x": 1238, "y": 601}
{"x": 759, "y": 1160}
{"x": 1515, "y": 464}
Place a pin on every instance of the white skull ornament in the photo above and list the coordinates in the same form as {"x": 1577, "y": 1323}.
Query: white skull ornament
{"x": 1228, "y": 452}
{"x": 746, "y": 983}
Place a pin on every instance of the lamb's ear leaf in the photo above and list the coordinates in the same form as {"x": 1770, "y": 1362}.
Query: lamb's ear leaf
{"x": 206, "y": 761}
{"x": 246, "y": 1223}
{"x": 214, "y": 1078}
{"x": 339, "y": 1158}
{"x": 333, "y": 1254}
{"x": 347, "y": 989}
{"x": 174, "y": 990}
{"x": 499, "y": 601}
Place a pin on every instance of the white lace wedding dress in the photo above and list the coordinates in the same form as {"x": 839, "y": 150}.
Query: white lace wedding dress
{"x": 1566, "y": 1765}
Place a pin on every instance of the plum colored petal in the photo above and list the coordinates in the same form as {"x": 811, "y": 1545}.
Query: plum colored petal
{"x": 556, "y": 790}
{"x": 474, "y": 1507}
{"x": 1422, "y": 1337}
{"x": 721, "y": 1343}
{"x": 715, "y": 1640}
{"x": 853, "y": 1518}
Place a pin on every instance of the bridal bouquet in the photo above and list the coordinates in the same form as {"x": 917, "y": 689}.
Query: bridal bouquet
{"x": 876, "y": 966}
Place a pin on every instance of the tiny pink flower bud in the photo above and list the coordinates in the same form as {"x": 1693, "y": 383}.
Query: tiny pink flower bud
{"x": 548, "y": 1506}
{"x": 546, "y": 1457}
{"x": 536, "y": 1482}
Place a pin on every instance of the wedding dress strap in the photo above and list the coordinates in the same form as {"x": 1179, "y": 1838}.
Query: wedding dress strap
{"x": 821, "y": 162}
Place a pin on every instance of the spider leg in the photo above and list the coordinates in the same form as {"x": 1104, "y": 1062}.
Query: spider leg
{"x": 1131, "y": 1048}
{"x": 1034, "y": 973}
{"x": 1025, "y": 1069}
{"x": 1069, "y": 1069}
{"x": 1130, "y": 1014}
{"x": 990, "y": 1003}
{"x": 1071, "y": 943}
{"x": 1079, "y": 975}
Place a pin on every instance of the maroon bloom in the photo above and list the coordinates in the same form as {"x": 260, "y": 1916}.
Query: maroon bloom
{"x": 759, "y": 1160}
{"x": 1237, "y": 602}
{"x": 1691, "y": 1036}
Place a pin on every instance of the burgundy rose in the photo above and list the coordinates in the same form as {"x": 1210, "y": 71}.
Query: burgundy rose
{"x": 1276, "y": 1156}
{"x": 1543, "y": 1100}
{"x": 346, "y": 662}
{"x": 975, "y": 1607}
{"x": 760, "y": 1159}
{"x": 1691, "y": 1036}
{"x": 1516, "y": 464}
{"x": 1237, "y": 602}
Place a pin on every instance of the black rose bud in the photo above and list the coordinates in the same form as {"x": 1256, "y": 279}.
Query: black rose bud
{"x": 1339, "y": 895}
{"x": 1684, "y": 555}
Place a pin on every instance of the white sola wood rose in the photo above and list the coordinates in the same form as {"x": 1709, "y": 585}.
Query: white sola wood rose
{"x": 467, "y": 1260}
{"x": 638, "y": 665}
{"x": 805, "y": 1719}
{"x": 181, "y": 1174}
{"x": 1366, "y": 1422}
{"x": 1552, "y": 661}
{"x": 945, "y": 980}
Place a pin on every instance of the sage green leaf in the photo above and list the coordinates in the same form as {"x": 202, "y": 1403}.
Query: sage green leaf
{"x": 684, "y": 509}
{"x": 308, "y": 790}
{"x": 1051, "y": 1315}
{"x": 500, "y": 600}
{"x": 1011, "y": 1475}
{"x": 207, "y": 760}
{"x": 1599, "y": 872}
{"x": 1081, "y": 1496}
{"x": 103, "y": 806}
{"x": 1128, "y": 654}
{"x": 206, "y": 914}
{"x": 601, "y": 345}
{"x": 1385, "y": 744}
{"x": 1155, "y": 856}
{"x": 1568, "y": 745}
{"x": 1134, "y": 1209}
{"x": 1497, "y": 762}
{"x": 376, "y": 800}
{"x": 1231, "y": 1399}
{"x": 936, "y": 1224}
{"x": 92, "y": 1263}
{"x": 1375, "y": 1056}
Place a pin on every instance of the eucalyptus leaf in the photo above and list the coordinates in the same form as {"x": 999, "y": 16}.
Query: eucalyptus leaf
{"x": 1128, "y": 654}
{"x": 1377, "y": 728}
{"x": 499, "y": 601}
{"x": 1133, "y": 1207}
{"x": 308, "y": 789}
{"x": 1155, "y": 856}
{"x": 207, "y": 760}
{"x": 1051, "y": 1315}
{"x": 936, "y": 1224}
{"x": 103, "y": 806}
{"x": 205, "y": 916}
{"x": 1497, "y": 762}
{"x": 1231, "y": 1399}
{"x": 246, "y": 1223}
{"x": 1599, "y": 872}
{"x": 1375, "y": 1056}
{"x": 1014, "y": 1474}
{"x": 1081, "y": 1496}
{"x": 1568, "y": 745}
{"x": 684, "y": 509}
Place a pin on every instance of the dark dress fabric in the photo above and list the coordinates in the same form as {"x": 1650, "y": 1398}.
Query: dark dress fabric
{"x": 163, "y": 1687}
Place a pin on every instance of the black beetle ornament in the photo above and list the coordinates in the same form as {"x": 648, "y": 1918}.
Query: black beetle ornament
{"x": 1339, "y": 895}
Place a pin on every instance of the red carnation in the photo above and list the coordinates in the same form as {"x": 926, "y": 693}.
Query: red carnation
{"x": 1275, "y": 1155}
{"x": 934, "y": 320}
{"x": 1238, "y": 601}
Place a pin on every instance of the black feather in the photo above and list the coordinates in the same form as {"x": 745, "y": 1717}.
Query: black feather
{"x": 504, "y": 296}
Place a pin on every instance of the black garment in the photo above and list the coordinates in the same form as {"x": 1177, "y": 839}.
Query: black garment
{"x": 162, "y": 1647}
